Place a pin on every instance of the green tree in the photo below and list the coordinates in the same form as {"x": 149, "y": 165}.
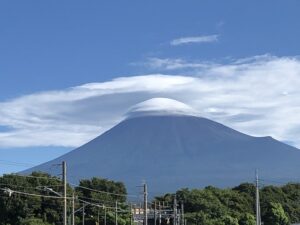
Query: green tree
{"x": 247, "y": 219}
{"x": 228, "y": 220}
{"x": 34, "y": 221}
{"x": 275, "y": 215}
{"x": 17, "y": 207}
{"x": 103, "y": 192}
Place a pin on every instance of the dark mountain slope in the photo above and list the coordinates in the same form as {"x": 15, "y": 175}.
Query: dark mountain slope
{"x": 170, "y": 152}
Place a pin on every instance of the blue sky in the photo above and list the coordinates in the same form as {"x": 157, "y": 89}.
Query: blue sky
{"x": 56, "y": 49}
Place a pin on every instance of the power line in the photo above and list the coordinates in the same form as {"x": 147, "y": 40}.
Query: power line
{"x": 56, "y": 197}
{"x": 31, "y": 194}
{"x": 28, "y": 187}
{"x": 101, "y": 206}
{"x": 103, "y": 201}
{"x": 41, "y": 186}
{"x": 103, "y": 192}
{"x": 51, "y": 204}
{"x": 94, "y": 199}
{"x": 35, "y": 177}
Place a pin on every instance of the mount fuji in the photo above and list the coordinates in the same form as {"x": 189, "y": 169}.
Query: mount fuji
{"x": 166, "y": 143}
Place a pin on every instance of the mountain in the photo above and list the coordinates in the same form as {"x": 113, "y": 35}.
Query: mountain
{"x": 165, "y": 143}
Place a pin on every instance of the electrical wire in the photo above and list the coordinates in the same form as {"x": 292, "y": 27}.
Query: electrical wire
{"x": 69, "y": 197}
{"x": 97, "y": 205}
{"x": 106, "y": 207}
{"x": 31, "y": 194}
{"x": 35, "y": 177}
{"x": 102, "y": 201}
{"x": 26, "y": 187}
{"x": 103, "y": 192}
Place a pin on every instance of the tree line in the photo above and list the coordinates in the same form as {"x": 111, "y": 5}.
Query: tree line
{"x": 207, "y": 206}
{"x": 37, "y": 208}
{"x": 236, "y": 206}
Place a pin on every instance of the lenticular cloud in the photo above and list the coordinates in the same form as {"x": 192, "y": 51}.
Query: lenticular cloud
{"x": 258, "y": 96}
{"x": 160, "y": 106}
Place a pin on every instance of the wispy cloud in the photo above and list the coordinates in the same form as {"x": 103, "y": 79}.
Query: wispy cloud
{"x": 172, "y": 64}
{"x": 259, "y": 96}
{"x": 195, "y": 39}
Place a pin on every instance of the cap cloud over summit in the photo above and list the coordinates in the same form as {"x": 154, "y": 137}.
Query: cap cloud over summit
{"x": 160, "y": 106}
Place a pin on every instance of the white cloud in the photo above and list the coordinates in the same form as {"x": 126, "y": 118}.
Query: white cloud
{"x": 175, "y": 64}
{"x": 160, "y": 106}
{"x": 196, "y": 39}
{"x": 259, "y": 96}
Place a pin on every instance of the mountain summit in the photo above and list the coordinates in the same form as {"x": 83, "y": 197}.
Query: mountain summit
{"x": 160, "y": 107}
{"x": 163, "y": 142}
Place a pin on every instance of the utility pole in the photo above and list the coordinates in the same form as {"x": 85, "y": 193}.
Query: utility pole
{"x": 73, "y": 209}
{"x": 182, "y": 213}
{"x": 116, "y": 214}
{"x": 104, "y": 215}
{"x": 64, "y": 173}
{"x": 159, "y": 213}
{"x": 145, "y": 205}
{"x": 175, "y": 211}
{"x": 98, "y": 216}
{"x": 258, "y": 218}
{"x": 155, "y": 213}
{"x": 83, "y": 214}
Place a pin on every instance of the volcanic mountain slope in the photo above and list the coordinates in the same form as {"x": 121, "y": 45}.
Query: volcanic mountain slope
{"x": 163, "y": 142}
